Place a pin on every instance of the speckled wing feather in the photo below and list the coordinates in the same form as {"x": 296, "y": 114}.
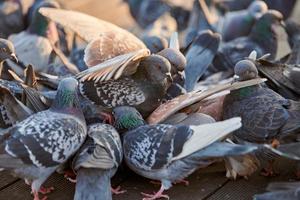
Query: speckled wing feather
{"x": 124, "y": 91}
{"x": 45, "y": 139}
{"x": 102, "y": 149}
{"x": 153, "y": 147}
{"x": 11, "y": 109}
{"x": 105, "y": 39}
{"x": 178, "y": 103}
{"x": 114, "y": 68}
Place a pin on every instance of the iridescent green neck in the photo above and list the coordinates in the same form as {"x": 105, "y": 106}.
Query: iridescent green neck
{"x": 262, "y": 31}
{"x": 128, "y": 122}
{"x": 66, "y": 100}
{"x": 39, "y": 25}
{"x": 244, "y": 92}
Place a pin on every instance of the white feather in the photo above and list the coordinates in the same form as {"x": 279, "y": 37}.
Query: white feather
{"x": 205, "y": 135}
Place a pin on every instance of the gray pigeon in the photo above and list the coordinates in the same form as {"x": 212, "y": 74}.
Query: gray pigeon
{"x": 96, "y": 162}
{"x": 262, "y": 39}
{"x": 34, "y": 148}
{"x": 199, "y": 57}
{"x": 11, "y": 18}
{"x": 170, "y": 153}
{"x": 8, "y": 52}
{"x": 34, "y": 45}
{"x": 293, "y": 30}
{"x": 267, "y": 116}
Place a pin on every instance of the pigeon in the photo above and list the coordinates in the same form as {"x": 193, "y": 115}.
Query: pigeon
{"x": 11, "y": 18}
{"x": 262, "y": 39}
{"x": 35, "y": 147}
{"x": 267, "y": 116}
{"x": 133, "y": 82}
{"x": 281, "y": 191}
{"x": 96, "y": 162}
{"x": 285, "y": 7}
{"x": 170, "y": 153}
{"x": 199, "y": 57}
{"x": 236, "y": 24}
{"x": 34, "y": 45}
{"x": 7, "y": 52}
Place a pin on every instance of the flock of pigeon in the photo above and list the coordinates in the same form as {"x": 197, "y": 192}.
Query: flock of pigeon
{"x": 81, "y": 96}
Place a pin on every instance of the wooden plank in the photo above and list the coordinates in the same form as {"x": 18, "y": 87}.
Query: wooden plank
{"x": 6, "y": 179}
{"x": 64, "y": 190}
{"x": 202, "y": 184}
{"x": 245, "y": 189}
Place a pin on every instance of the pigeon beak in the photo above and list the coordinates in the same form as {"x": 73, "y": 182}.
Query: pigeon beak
{"x": 235, "y": 79}
{"x": 14, "y": 58}
{"x": 169, "y": 77}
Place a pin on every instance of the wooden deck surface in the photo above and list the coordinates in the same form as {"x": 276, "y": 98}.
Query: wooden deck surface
{"x": 206, "y": 184}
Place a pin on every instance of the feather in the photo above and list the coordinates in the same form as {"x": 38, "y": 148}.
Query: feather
{"x": 206, "y": 134}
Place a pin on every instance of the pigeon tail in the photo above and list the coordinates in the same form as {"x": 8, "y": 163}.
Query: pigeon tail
{"x": 93, "y": 184}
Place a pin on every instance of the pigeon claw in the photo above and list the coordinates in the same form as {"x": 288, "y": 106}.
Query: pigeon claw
{"x": 156, "y": 195}
{"x": 44, "y": 190}
{"x": 117, "y": 190}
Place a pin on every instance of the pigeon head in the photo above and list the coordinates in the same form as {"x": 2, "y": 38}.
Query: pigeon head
{"x": 39, "y": 24}
{"x": 266, "y": 25}
{"x": 245, "y": 70}
{"x": 158, "y": 70}
{"x": 7, "y": 50}
{"x": 257, "y": 9}
{"x": 66, "y": 97}
{"x": 175, "y": 57}
{"x": 127, "y": 118}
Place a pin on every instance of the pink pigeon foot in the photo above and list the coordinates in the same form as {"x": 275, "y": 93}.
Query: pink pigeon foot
{"x": 157, "y": 195}
{"x": 44, "y": 190}
{"x": 117, "y": 190}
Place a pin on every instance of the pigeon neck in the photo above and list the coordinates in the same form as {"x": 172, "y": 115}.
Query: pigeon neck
{"x": 129, "y": 122}
{"x": 39, "y": 25}
{"x": 66, "y": 101}
{"x": 245, "y": 92}
{"x": 263, "y": 33}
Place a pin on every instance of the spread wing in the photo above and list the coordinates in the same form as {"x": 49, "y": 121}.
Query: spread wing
{"x": 105, "y": 40}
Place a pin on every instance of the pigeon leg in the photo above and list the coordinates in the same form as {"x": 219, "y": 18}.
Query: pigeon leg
{"x": 36, "y": 196}
{"x": 157, "y": 195}
{"x": 117, "y": 190}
